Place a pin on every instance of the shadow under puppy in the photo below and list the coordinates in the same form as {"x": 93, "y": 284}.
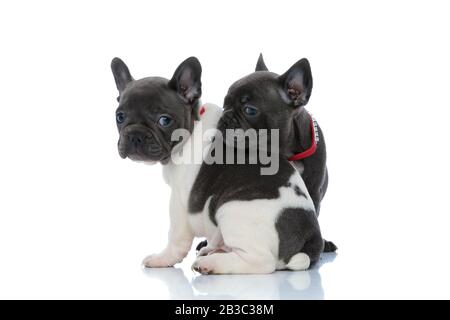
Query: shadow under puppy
{"x": 254, "y": 223}
{"x": 265, "y": 100}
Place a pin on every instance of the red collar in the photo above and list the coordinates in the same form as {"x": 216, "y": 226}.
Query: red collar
{"x": 202, "y": 110}
{"x": 314, "y": 140}
{"x": 302, "y": 155}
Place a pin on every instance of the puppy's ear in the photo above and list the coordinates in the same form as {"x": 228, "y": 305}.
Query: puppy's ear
{"x": 121, "y": 74}
{"x": 260, "y": 65}
{"x": 297, "y": 83}
{"x": 187, "y": 80}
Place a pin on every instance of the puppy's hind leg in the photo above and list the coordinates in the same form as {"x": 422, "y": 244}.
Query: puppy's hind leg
{"x": 249, "y": 234}
{"x": 301, "y": 242}
{"x": 234, "y": 262}
{"x": 309, "y": 254}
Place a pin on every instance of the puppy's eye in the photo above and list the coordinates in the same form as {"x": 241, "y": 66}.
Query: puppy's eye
{"x": 251, "y": 111}
{"x": 164, "y": 121}
{"x": 120, "y": 117}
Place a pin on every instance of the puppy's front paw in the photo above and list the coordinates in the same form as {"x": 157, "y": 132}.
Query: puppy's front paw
{"x": 157, "y": 261}
{"x": 203, "y": 265}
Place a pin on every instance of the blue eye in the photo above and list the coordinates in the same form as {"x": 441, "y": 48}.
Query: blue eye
{"x": 120, "y": 117}
{"x": 250, "y": 110}
{"x": 164, "y": 121}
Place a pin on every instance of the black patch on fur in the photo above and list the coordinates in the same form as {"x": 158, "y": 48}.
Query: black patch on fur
{"x": 296, "y": 189}
{"x": 299, "y": 191}
{"x": 228, "y": 182}
{"x": 299, "y": 231}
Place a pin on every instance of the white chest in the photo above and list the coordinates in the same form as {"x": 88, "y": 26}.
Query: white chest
{"x": 180, "y": 173}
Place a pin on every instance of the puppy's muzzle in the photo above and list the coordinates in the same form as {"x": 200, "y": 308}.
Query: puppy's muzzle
{"x": 136, "y": 139}
{"x": 229, "y": 121}
{"x": 139, "y": 144}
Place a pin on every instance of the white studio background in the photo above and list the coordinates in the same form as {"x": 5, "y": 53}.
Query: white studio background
{"x": 76, "y": 220}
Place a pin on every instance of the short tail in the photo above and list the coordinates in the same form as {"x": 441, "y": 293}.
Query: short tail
{"x": 329, "y": 246}
{"x": 299, "y": 261}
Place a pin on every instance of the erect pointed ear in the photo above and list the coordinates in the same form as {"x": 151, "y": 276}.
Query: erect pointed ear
{"x": 260, "y": 65}
{"x": 187, "y": 80}
{"x": 297, "y": 83}
{"x": 121, "y": 74}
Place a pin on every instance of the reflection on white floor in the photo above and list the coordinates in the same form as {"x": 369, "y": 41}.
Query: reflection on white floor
{"x": 279, "y": 285}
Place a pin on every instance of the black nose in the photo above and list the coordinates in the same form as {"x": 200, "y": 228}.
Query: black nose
{"x": 136, "y": 139}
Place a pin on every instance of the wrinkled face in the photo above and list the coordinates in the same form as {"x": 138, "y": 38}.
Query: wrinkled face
{"x": 255, "y": 101}
{"x": 151, "y": 109}
{"x": 264, "y": 100}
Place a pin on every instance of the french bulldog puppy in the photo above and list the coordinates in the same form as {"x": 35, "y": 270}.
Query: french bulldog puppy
{"x": 253, "y": 223}
{"x": 149, "y": 111}
{"x": 265, "y": 100}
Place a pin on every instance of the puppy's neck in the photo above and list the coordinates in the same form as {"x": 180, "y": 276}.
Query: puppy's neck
{"x": 182, "y": 167}
{"x": 299, "y": 135}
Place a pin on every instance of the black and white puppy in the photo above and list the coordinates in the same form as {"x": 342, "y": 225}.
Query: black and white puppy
{"x": 149, "y": 111}
{"x": 254, "y": 223}
{"x": 265, "y": 100}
